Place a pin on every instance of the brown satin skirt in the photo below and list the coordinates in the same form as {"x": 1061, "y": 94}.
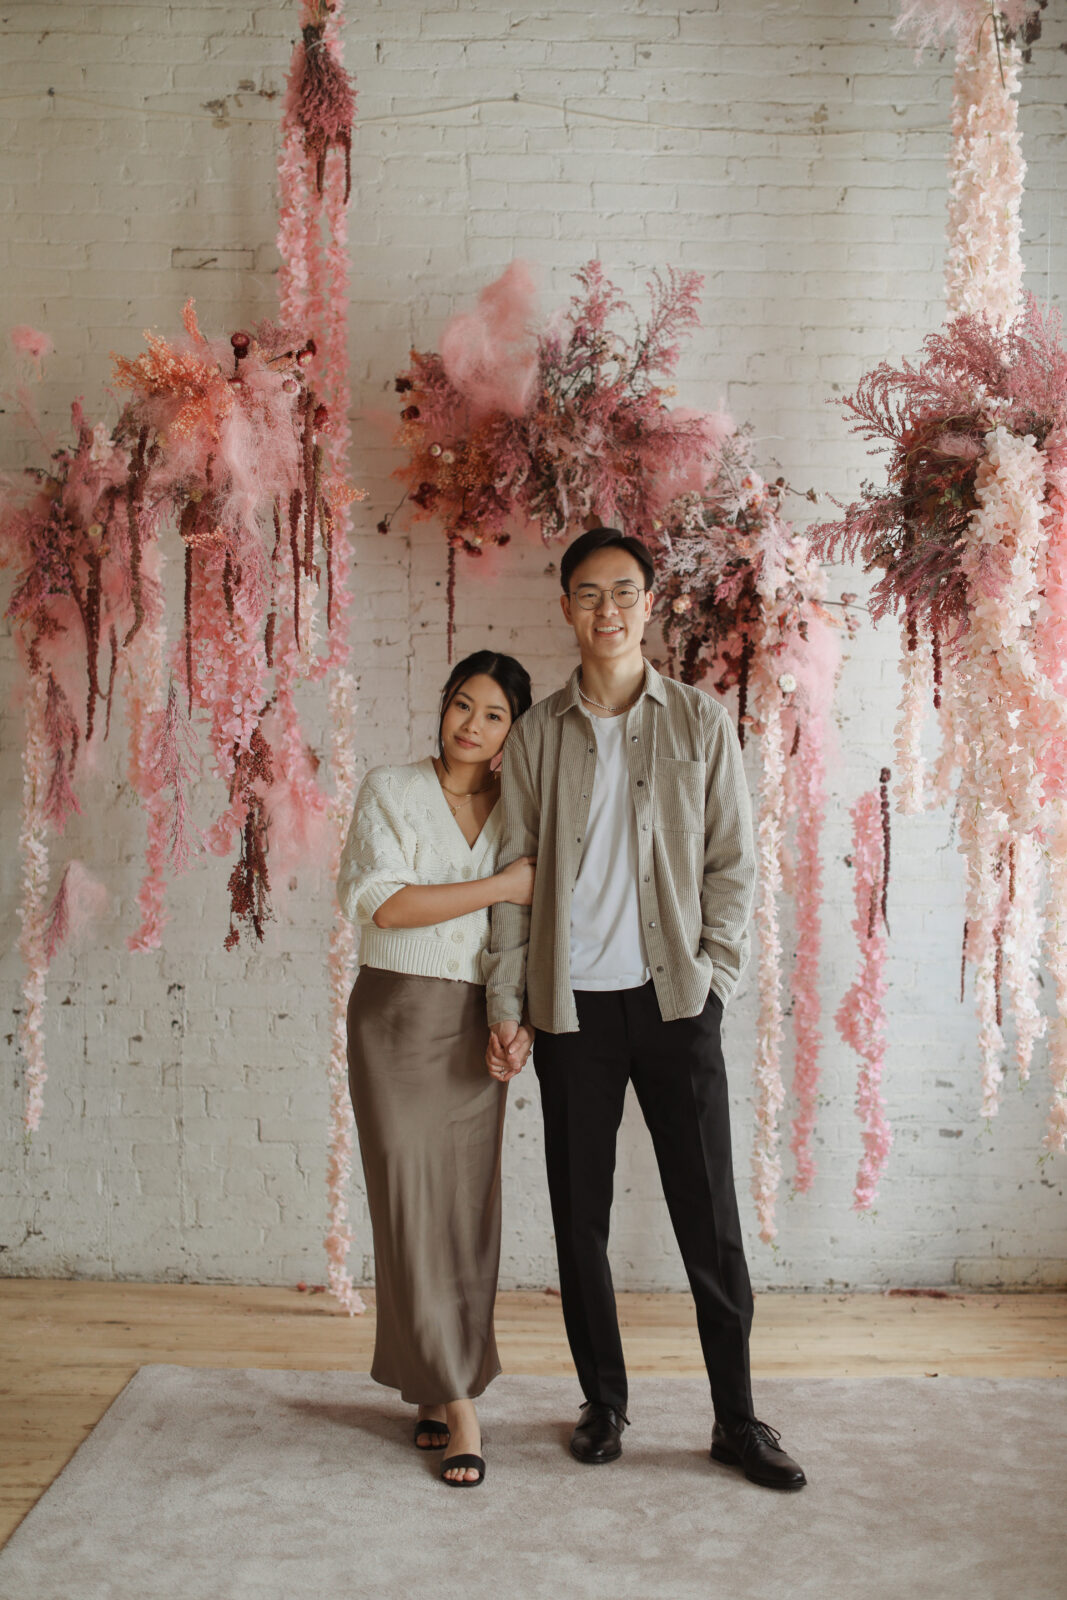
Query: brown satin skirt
{"x": 430, "y": 1121}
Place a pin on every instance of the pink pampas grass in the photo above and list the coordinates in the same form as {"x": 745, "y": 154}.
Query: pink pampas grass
{"x": 490, "y": 354}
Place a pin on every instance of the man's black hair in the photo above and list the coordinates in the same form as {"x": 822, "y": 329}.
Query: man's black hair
{"x": 588, "y": 544}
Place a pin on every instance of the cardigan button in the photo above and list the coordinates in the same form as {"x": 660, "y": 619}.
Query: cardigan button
{"x": 457, "y": 937}
{"x": 453, "y": 966}
{"x": 466, "y": 872}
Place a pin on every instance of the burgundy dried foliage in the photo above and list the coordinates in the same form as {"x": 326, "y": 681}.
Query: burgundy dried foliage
{"x": 62, "y": 737}
{"x": 324, "y": 101}
{"x": 249, "y": 882}
{"x": 883, "y": 790}
{"x": 57, "y": 920}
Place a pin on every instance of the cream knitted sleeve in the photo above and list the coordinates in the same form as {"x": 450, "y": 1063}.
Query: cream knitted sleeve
{"x": 379, "y": 853}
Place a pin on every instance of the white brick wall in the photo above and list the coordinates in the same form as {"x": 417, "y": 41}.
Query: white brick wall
{"x": 792, "y": 152}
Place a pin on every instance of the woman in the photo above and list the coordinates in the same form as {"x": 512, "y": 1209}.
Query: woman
{"x": 419, "y": 875}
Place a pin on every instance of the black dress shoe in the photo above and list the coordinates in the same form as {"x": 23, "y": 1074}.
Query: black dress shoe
{"x": 598, "y": 1437}
{"x": 754, "y": 1447}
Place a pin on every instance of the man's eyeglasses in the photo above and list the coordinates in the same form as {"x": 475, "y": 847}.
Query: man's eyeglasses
{"x": 624, "y": 596}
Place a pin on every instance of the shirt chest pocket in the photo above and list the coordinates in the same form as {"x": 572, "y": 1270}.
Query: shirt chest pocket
{"x": 679, "y": 804}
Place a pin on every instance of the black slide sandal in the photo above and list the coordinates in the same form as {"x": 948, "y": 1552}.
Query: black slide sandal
{"x": 427, "y": 1425}
{"x": 463, "y": 1461}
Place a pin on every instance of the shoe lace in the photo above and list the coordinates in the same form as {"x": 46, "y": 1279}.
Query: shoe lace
{"x": 761, "y": 1433}
{"x": 603, "y": 1405}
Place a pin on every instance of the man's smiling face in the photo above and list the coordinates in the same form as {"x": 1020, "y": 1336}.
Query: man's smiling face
{"x": 608, "y": 631}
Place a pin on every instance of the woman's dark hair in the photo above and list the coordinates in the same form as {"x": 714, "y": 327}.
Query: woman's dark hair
{"x": 513, "y": 678}
{"x": 588, "y": 544}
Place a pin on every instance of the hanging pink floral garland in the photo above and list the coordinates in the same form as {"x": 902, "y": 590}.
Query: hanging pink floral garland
{"x": 970, "y": 540}
{"x": 741, "y": 600}
{"x": 861, "y": 1016}
{"x": 219, "y": 437}
{"x": 314, "y": 182}
{"x": 555, "y": 426}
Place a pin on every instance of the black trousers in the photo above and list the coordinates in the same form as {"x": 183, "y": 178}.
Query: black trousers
{"x": 680, "y": 1080}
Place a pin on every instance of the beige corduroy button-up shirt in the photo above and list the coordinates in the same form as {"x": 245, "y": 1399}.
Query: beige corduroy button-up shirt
{"x": 696, "y": 858}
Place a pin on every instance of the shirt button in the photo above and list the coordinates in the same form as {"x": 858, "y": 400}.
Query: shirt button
{"x": 592, "y": 749}
{"x": 644, "y": 827}
{"x": 633, "y": 738}
{"x": 579, "y": 838}
{"x": 640, "y": 783}
{"x": 647, "y": 879}
{"x": 659, "y": 969}
{"x": 652, "y": 924}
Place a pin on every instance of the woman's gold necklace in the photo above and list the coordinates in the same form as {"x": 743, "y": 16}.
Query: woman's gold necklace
{"x": 600, "y": 704}
{"x": 462, "y": 800}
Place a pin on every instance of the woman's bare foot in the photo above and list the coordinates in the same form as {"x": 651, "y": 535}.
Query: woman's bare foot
{"x": 466, "y": 1439}
{"x": 431, "y": 1438}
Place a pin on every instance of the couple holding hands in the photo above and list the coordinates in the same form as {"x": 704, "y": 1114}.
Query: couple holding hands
{"x": 617, "y": 934}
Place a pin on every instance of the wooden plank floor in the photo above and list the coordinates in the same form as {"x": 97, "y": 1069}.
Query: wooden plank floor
{"x": 67, "y": 1348}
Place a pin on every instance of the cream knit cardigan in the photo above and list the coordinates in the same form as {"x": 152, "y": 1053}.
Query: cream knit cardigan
{"x": 402, "y": 831}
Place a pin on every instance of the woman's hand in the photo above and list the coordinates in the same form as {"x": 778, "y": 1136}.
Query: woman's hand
{"x": 509, "y": 1049}
{"x": 516, "y": 883}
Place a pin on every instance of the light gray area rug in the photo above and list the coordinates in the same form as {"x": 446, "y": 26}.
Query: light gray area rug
{"x": 248, "y": 1485}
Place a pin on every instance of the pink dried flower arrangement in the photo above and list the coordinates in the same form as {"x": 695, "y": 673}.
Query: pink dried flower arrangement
{"x": 223, "y": 439}
{"x": 933, "y": 420}
{"x": 969, "y": 536}
{"x": 556, "y": 425}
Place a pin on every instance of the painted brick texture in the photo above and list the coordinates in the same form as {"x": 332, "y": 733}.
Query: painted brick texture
{"x": 794, "y": 153}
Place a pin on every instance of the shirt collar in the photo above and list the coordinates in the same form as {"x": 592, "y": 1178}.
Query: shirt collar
{"x": 569, "y": 697}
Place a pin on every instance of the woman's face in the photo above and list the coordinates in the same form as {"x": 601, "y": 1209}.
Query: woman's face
{"x": 476, "y": 722}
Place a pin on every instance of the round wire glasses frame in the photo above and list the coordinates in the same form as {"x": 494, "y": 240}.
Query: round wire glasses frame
{"x": 624, "y": 595}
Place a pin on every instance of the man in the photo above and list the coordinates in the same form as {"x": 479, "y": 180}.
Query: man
{"x": 629, "y": 790}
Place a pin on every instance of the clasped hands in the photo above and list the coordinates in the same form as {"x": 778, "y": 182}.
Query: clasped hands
{"x": 509, "y": 1049}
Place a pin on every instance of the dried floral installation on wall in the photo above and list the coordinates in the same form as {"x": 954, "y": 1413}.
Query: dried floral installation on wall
{"x": 969, "y": 535}
{"x": 220, "y": 440}
{"x": 314, "y": 183}
{"x": 741, "y": 601}
{"x": 553, "y": 425}
{"x": 570, "y": 424}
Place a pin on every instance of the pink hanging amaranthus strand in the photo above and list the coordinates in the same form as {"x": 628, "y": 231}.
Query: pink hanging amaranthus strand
{"x": 984, "y": 267}
{"x": 809, "y": 763}
{"x": 770, "y": 1094}
{"x": 313, "y": 190}
{"x": 63, "y": 534}
{"x": 33, "y": 844}
{"x": 145, "y": 673}
{"x": 861, "y": 1018}
{"x": 916, "y": 671}
{"x": 1056, "y": 962}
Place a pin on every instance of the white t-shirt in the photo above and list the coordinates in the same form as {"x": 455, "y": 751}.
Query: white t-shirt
{"x": 607, "y": 941}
